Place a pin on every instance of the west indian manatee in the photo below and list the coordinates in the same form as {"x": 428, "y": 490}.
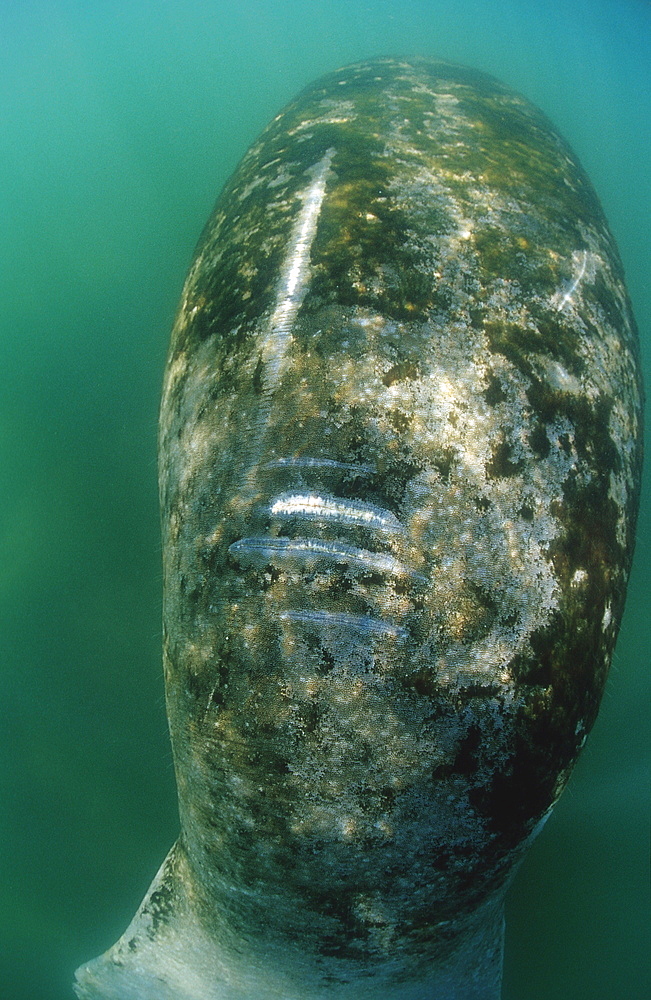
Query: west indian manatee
{"x": 399, "y": 471}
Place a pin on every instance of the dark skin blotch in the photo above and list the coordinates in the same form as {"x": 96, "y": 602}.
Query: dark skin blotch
{"x": 401, "y": 370}
{"x": 401, "y": 421}
{"x": 494, "y": 393}
{"x": 444, "y": 462}
{"x": 501, "y": 464}
{"x": 466, "y": 759}
{"x": 539, "y": 441}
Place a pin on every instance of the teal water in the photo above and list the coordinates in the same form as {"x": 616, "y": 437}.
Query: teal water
{"x": 119, "y": 122}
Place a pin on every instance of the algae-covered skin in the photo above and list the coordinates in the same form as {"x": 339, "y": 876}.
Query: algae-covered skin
{"x": 399, "y": 471}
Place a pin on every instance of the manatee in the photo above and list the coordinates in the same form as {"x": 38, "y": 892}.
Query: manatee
{"x": 399, "y": 471}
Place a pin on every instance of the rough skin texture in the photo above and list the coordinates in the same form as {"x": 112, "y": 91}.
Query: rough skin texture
{"x": 400, "y": 457}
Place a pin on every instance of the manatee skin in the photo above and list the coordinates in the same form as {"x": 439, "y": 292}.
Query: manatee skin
{"x": 399, "y": 471}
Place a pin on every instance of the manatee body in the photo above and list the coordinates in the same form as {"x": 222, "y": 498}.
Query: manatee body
{"x": 399, "y": 470}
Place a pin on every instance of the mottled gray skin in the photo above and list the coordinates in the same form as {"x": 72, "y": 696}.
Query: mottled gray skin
{"x": 399, "y": 470}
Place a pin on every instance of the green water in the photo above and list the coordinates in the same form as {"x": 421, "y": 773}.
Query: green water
{"x": 119, "y": 122}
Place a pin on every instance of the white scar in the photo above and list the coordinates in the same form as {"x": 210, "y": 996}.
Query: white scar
{"x": 560, "y": 300}
{"x": 322, "y": 507}
{"x": 295, "y": 271}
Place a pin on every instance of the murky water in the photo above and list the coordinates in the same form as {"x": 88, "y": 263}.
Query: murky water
{"x": 119, "y": 122}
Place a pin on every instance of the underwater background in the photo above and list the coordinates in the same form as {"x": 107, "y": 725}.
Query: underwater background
{"x": 119, "y": 123}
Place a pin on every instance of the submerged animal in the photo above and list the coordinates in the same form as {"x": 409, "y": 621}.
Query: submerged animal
{"x": 399, "y": 470}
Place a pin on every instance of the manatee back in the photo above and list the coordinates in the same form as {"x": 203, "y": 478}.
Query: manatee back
{"x": 399, "y": 472}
